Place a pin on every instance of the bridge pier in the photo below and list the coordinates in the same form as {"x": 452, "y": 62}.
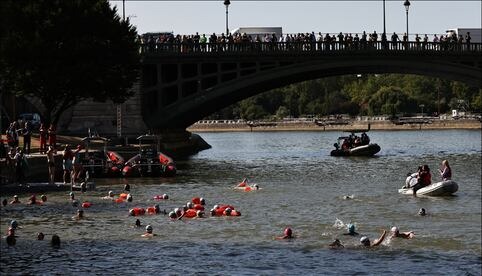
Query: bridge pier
{"x": 179, "y": 143}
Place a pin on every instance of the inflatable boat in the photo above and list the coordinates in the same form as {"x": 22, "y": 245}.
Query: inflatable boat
{"x": 443, "y": 188}
{"x": 365, "y": 150}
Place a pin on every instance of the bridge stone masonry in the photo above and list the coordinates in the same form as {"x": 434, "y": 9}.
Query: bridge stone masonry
{"x": 183, "y": 83}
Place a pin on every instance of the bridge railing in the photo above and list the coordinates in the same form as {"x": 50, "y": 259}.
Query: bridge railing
{"x": 254, "y": 47}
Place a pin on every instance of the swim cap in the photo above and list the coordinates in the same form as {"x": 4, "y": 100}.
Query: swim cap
{"x": 394, "y": 229}
{"x": 129, "y": 198}
{"x": 40, "y": 236}
{"x": 178, "y": 211}
{"x": 189, "y": 205}
{"x": 288, "y": 232}
{"x": 216, "y": 207}
{"x": 255, "y": 186}
{"x": 227, "y": 211}
{"x": 149, "y": 229}
{"x": 202, "y": 201}
{"x": 71, "y": 195}
{"x": 172, "y": 214}
{"x": 43, "y": 198}
{"x": 111, "y": 193}
{"x": 127, "y": 187}
{"x": 14, "y": 224}
{"x": 131, "y": 212}
{"x": 213, "y": 212}
{"x": 165, "y": 196}
{"x": 421, "y": 212}
{"x": 15, "y": 196}
{"x": 199, "y": 213}
{"x": 351, "y": 228}
{"x": 365, "y": 241}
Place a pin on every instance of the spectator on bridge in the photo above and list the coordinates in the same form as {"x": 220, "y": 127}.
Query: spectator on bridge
{"x": 467, "y": 40}
{"x": 341, "y": 38}
{"x": 395, "y": 41}
{"x": 202, "y": 41}
{"x": 436, "y": 42}
{"x": 356, "y": 41}
{"x": 424, "y": 42}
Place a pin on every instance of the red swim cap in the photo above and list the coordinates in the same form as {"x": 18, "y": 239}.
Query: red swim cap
{"x": 288, "y": 232}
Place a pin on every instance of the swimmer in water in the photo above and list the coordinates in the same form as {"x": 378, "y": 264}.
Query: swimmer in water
{"x": 129, "y": 198}
{"x": 288, "y": 234}
{"x": 127, "y": 188}
{"x": 55, "y": 241}
{"x": 351, "y": 230}
{"x": 79, "y": 216}
{"x": 366, "y": 242}
{"x": 172, "y": 215}
{"x": 397, "y": 234}
{"x": 40, "y": 236}
{"x": 15, "y": 200}
{"x": 32, "y": 200}
{"x": 4, "y": 202}
{"x": 422, "y": 212}
{"x": 109, "y": 196}
{"x": 43, "y": 198}
{"x": 148, "y": 232}
{"x": 138, "y": 223}
{"x": 336, "y": 244}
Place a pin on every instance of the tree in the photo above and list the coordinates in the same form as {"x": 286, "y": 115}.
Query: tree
{"x": 63, "y": 52}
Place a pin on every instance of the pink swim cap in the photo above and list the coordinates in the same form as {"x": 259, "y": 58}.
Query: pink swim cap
{"x": 288, "y": 232}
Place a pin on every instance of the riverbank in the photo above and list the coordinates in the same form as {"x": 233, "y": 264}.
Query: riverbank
{"x": 420, "y": 124}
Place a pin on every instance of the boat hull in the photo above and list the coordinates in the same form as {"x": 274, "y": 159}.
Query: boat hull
{"x": 443, "y": 188}
{"x": 366, "y": 150}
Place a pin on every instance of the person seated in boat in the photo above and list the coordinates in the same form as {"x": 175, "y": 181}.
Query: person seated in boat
{"x": 346, "y": 145}
{"x": 365, "y": 140}
{"x": 288, "y": 234}
{"x": 365, "y": 241}
{"x": 395, "y": 233}
{"x": 445, "y": 171}
{"x": 357, "y": 142}
{"x": 15, "y": 200}
{"x": 423, "y": 180}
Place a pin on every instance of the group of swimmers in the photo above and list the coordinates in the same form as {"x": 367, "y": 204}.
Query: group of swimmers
{"x": 31, "y": 200}
{"x": 11, "y": 238}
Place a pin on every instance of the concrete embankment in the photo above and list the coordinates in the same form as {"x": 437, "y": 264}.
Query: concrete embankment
{"x": 311, "y": 126}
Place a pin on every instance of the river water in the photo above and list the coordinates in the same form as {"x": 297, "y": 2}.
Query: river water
{"x": 301, "y": 187}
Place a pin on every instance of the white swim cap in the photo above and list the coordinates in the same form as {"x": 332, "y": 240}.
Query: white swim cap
{"x": 172, "y": 214}
{"x": 149, "y": 229}
{"x": 216, "y": 207}
{"x": 71, "y": 194}
{"x": 165, "y": 196}
{"x": 202, "y": 201}
{"x": 189, "y": 205}
{"x": 199, "y": 213}
{"x": 111, "y": 193}
{"x": 394, "y": 229}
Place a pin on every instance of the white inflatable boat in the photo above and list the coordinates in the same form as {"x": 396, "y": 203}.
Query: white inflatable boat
{"x": 443, "y": 188}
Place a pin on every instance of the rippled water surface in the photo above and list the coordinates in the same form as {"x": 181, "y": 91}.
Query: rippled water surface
{"x": 302, "y": 187}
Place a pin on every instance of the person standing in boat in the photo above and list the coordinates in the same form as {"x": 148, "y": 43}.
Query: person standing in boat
{"x": 445, "y": 171}
{"x": 424, "y": 179}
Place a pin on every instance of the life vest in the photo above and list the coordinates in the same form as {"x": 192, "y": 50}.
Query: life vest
{"x": 123, "y": 196}
{"x": 248, "y": 189}
{"x": 426, "y": 178}
{"x": 151, "y": 210}
{"x": 137, "y": 211}
{"x": 235, "y": 213}
{"x": 198, "y": 207}
{"x": 119, "y": 200}
{"x": 196, "y": 200}
{"x": 190, "y": 213}
{"x": 86, "y": 204}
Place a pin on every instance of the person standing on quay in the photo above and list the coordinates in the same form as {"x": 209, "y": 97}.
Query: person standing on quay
{"x": 27, "y": 137}
{"x": 52, "y": 136}
{"x": 51, "y": 162}
{"x": 43, "y": 139}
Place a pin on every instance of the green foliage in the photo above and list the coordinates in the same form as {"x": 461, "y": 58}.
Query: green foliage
{"x": 66, "y": 51}
{"x": 390, "y": 94}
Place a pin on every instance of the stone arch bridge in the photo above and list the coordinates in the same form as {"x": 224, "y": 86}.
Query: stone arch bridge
{"x": 182, "y": 84}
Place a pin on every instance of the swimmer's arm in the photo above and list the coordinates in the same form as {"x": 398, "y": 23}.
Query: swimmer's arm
{"x": 380, "y": 240}
{"x": 407, "y": 235}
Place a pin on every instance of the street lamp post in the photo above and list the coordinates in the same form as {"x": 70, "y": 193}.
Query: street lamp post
{"x": 407, "y": 6}
{"x": 384, "y": 28}
{"x": 226, "y": 3}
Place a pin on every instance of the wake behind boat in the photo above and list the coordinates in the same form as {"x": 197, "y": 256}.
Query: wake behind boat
{"x": 442, "y": 188}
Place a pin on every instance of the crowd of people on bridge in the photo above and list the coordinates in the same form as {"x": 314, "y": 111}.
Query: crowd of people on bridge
{"x": 242, "y": 42}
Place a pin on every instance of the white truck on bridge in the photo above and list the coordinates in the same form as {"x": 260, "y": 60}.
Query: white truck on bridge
{"x": 261, "y": 31}
{"x": 475, "y": 33}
